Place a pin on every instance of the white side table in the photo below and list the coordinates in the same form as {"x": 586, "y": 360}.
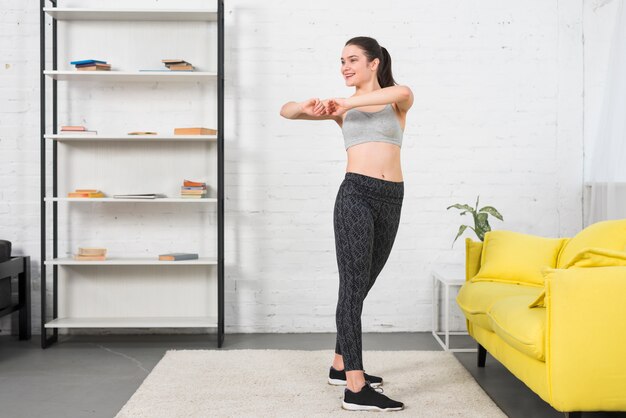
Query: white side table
{"x": 449, "y": 277}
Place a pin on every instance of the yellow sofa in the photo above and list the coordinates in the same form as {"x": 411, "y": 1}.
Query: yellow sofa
{"x": 553, "y": 312}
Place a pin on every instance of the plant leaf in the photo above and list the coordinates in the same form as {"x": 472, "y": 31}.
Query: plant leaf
{"x": 492, "y": 211}
{"x": 461, "y": 230}
{"x": 482, "y": 224}
{"x": 459, "y": 206}
{"x": 481, "y": 220}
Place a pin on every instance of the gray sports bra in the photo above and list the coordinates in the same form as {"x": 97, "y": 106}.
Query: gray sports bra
{"x": 381, "y": 126}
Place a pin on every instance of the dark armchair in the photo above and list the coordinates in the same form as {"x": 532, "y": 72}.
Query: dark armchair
{"x": 9, "y": 268}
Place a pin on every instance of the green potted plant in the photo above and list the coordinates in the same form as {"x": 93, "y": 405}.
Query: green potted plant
{"x": 481, "y": 223}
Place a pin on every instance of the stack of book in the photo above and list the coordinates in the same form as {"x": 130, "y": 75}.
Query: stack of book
{"x": 86, "y": 193}
{"x": 76, "y": 129}
{"x": 193, "y": 190}
{"x": 177, "y": 65}
{"x": 194, "y": 131}
{"x": 91, "y": 65}
{"x": 91, "y": 254}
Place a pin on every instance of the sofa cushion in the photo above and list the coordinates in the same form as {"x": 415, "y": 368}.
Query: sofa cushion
{"x": 610, "y": 235}
{"x": 476, "y": 298}
{"x": 522, "y": 328}
{"x": 597, "y": 257}
{"x": 540, "y": 301}
{"x": 514, "y": 257}
{"x": 588, "y": 257}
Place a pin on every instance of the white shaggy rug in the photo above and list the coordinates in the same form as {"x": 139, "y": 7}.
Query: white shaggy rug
{"x": 290, "y": 383}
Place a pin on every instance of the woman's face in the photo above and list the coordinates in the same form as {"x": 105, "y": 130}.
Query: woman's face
{"x": 354, "y": 66}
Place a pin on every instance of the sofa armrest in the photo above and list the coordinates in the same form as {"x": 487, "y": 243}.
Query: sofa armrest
{"x": 473, "y": 252}
{"x": 586, "y": 338}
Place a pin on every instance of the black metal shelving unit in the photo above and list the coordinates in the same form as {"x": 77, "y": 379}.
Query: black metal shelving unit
{"x": 48, "y": 340}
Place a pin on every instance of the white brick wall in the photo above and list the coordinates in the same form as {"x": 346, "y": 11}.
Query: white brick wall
{"x": 498, "y": 112}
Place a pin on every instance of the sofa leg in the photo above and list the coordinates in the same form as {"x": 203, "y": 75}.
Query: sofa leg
{"x": 482, "y": 355}
{"x": 576, "y": 414}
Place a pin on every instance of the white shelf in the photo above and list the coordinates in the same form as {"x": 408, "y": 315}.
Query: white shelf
{"x": 450, "y": 274}
{"x": 127, "y": 261}
{"x": 131, "y": 138}
{"x": 190, "y": 293}
{"x": 130, "y": 14}
{"x": 146, "y": 322}
{"x": 174, "y": 76}
{"x": 112, "y": 199}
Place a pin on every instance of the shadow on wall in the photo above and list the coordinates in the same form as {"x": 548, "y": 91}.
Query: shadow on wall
{"x": 242, "y": 285}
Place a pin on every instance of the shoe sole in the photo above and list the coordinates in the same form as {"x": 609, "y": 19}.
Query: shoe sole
{"x": 339, "y": 382}
{"x": 357, "y": 407}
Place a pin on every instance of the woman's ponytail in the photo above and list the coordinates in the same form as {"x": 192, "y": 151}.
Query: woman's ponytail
{"x": 385, "y": 78}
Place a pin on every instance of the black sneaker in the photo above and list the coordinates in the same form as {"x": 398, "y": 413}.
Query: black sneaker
{"x": 369, "y": 399}
{"x": 338, "y": 378}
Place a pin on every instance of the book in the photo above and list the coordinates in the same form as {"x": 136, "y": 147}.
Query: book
{"x": 194, "y": 131}
{"x": 85, "y": 194}
{"x": 177, "y": 65}
{"x": 169, "y": 62}
{"x": 180, "y": 67}
{"x": 76, "y": 130}
{"x": 92, "y": 69}
{"x": 193, "y": 196}
{"x": 189, "y": 183}
{"x": 94, "y": 64}
{"x": 138, "y": 196}
{"x": 91, "y": 251}
{"x": 73, "y": 128}
{"x": 190, "y": 192}
{"x": 193, "y": 187}
{"x": 89, "y": 257}
{"x": 95, "y": 67}
{"x": 178, "y": 256}
{"x": 80, "y": 62}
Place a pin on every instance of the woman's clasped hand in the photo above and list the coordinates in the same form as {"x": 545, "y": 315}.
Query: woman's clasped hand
{"x": 317, "y": 107}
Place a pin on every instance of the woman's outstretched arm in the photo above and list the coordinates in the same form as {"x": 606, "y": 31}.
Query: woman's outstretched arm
{"x": 401, "y": 95}
{"x": 312, "y": 109}
{"x": 291, "y": 110}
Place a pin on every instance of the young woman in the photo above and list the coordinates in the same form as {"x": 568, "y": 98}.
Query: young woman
{"x": 368, "y": 205}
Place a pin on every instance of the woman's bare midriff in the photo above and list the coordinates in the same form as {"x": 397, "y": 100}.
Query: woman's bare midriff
{"x": 375, "y": 159}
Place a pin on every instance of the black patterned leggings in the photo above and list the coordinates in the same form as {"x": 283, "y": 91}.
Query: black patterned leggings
{"x": 366, "y": 219}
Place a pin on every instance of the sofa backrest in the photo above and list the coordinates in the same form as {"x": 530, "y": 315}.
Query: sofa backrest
{"x": 609, "y": 234}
